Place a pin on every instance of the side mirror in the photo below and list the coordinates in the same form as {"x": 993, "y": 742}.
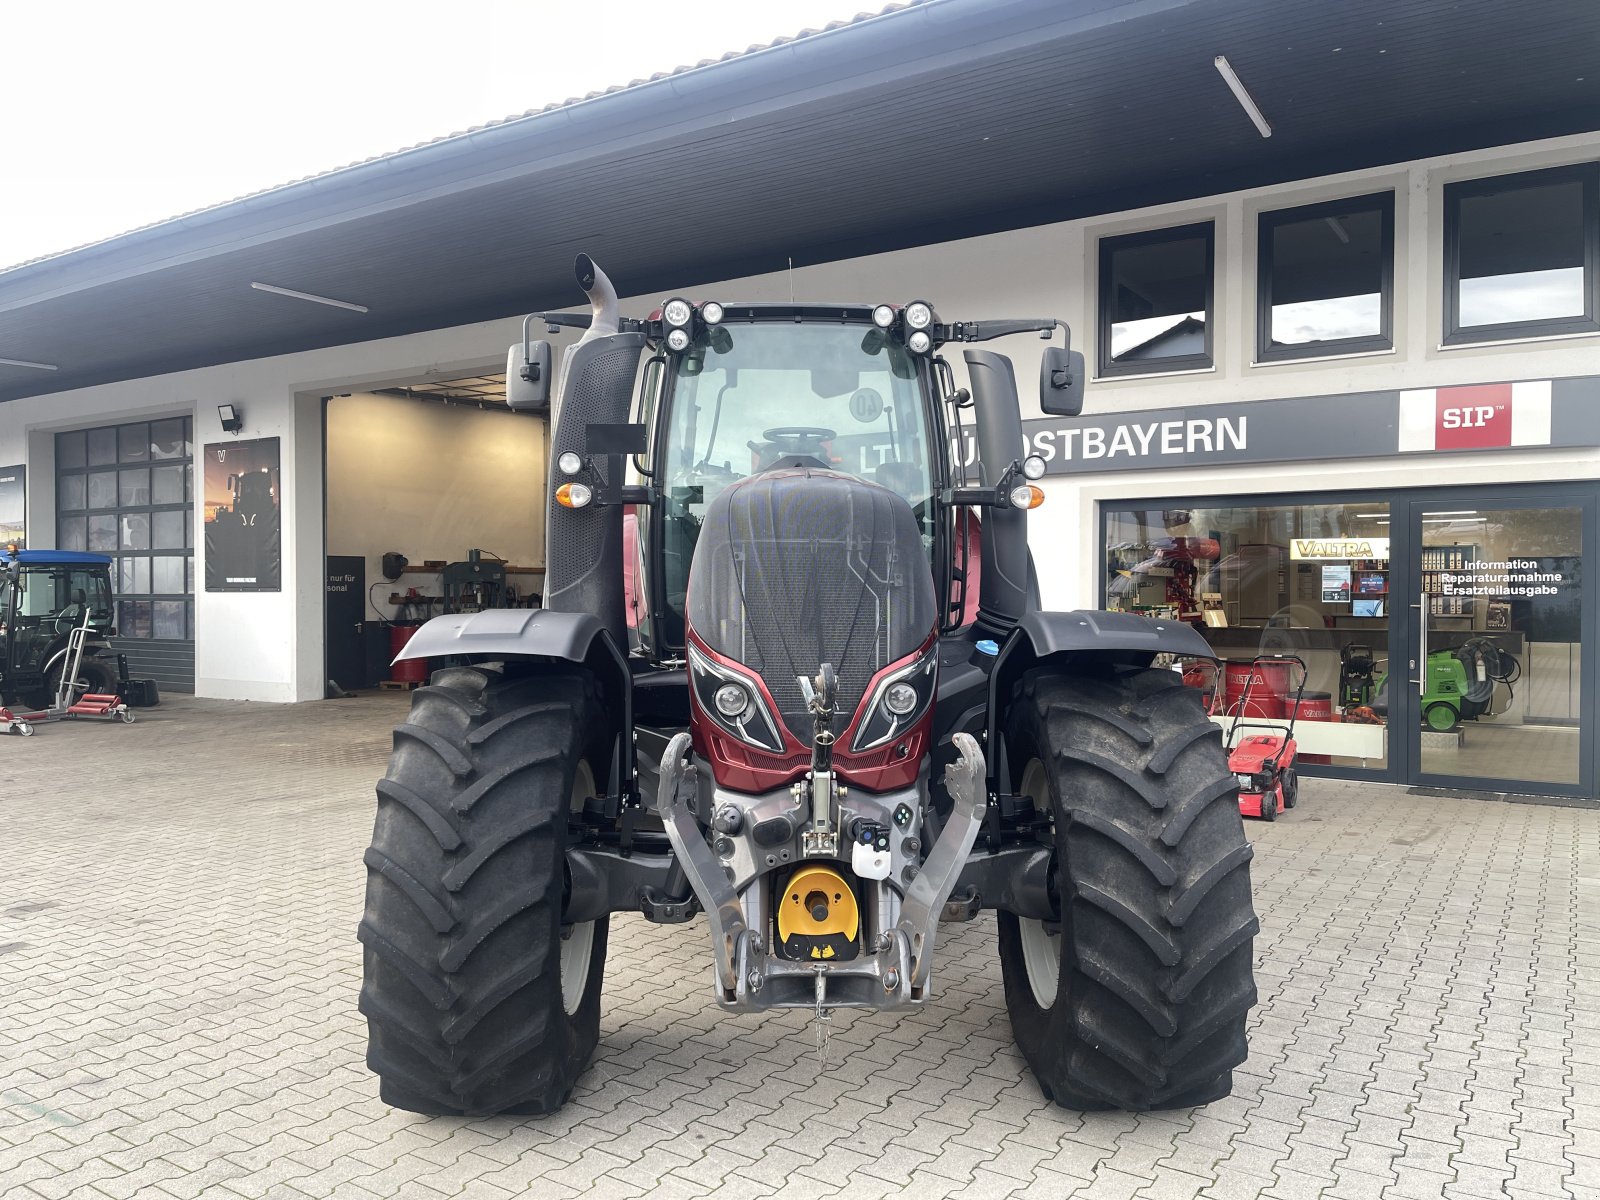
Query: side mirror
{"x": 528, "y": 377}
{"x": 1062, "y": 374}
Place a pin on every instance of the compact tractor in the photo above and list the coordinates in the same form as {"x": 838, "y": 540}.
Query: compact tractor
{"x": 44, "y": 596}
{"x": 840, "y": 718}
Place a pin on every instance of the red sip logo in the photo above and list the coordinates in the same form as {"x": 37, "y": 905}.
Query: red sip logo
{"x": 1475, "y": 417}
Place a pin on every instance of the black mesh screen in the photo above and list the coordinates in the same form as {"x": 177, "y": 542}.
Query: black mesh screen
{"x": 798, "y": 567}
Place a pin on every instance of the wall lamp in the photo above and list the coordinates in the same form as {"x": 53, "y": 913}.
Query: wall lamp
{"x": 232, "y": 418}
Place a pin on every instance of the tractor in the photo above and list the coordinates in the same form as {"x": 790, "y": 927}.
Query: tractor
{"x": 840, "y": 718}
{"x": 44, "y": 595}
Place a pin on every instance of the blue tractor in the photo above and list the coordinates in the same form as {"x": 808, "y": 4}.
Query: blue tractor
{"x": 44, "y": 595}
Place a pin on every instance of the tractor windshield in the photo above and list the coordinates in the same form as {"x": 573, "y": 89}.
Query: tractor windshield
{"x": 842, "y": 396}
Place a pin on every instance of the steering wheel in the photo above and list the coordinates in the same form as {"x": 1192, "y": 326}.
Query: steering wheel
{"x": 797, "y": 434}
{"x": 72, "y": 615}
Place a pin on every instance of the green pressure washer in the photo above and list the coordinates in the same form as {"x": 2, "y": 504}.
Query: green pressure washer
{"x": 1461, "y": 684}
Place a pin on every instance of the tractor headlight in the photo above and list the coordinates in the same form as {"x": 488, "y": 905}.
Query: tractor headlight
{"x": 919, "y": 314}
{"x": 732, "y": 701}
{"x": 678, "y": 339}
{"x": 569, "y": 463}
{"x": 900, "y": 699}
{"x": 711, "y": 313}
{"x": 919, "y": 342}
{"x": 883, "y": 316}
{"x": 896, "y": 702}
{"x": 677, "y": 313}
{"x": 1033, "y": 467}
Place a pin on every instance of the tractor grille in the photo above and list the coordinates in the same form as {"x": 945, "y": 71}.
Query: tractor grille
{"x": 794, "y": 568}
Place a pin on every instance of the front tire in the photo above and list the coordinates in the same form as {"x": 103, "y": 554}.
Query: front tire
{"x": 477, "y": 1000}
{"x": 1145, "y": 1007}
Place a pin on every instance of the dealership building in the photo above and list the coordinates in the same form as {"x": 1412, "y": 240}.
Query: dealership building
{"x": 1335, "y": 268}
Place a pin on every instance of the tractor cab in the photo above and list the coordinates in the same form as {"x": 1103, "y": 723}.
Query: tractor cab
{"x": 44, "y": 595}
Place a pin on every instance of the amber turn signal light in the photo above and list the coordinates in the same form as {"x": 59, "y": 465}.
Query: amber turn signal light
{"x": 574, "y": 495}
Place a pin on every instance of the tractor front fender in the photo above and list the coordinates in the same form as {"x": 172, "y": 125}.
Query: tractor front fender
{"x": 537, "y": 633}
{"x": 1083, "y": 640}
{"x": 519, "y": 632}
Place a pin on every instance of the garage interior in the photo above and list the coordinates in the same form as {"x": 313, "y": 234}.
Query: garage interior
{"x": 443, "y": 475}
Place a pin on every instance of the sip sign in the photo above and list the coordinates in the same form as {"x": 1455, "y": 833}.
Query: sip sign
{"x": 1473, "y": 418}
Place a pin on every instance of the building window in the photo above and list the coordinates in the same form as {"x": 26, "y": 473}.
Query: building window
{"x": 1156, "y": 298}
{"x": 127, "y": 491}
{"x": 1326, "y": 279}
{"x": 1521, "y": 255}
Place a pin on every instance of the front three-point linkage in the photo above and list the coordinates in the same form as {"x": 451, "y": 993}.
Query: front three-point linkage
{"x": 821, "y": 836}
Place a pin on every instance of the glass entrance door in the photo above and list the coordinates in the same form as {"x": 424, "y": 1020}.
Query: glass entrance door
{"x": 1499, "y": 644}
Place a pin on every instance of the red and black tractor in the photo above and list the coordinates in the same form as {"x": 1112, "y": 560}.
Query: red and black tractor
{"x": 827, "y": 731}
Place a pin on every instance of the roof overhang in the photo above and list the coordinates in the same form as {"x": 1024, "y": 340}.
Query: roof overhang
{"x": 947, "y": 119}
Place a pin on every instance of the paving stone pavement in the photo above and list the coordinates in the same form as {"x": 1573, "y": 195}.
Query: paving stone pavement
{"x": 178, "y": 979}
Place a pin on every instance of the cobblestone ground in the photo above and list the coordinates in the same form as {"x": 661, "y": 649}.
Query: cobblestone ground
{"x": 178, "y": 978}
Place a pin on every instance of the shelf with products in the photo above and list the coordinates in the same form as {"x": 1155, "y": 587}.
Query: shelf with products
{"x": 1158, "y": 578}
{"x": 1437, "y": 561}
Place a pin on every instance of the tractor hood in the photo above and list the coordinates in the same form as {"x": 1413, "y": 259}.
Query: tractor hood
{"x": 799, "y": 566}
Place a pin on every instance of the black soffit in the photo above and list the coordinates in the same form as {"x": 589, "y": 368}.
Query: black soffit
{"x": 946, "y": 119}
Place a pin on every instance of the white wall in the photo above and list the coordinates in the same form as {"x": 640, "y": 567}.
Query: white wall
{"x": 242, "y": 644}
{"x": 433, "y": 482}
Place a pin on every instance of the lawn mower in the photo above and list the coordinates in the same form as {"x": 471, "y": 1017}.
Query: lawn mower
{"x": 813, "y": 736}
{"x": 1264, "y": 763}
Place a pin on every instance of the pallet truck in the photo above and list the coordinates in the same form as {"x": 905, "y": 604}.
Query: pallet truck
{"x": 1264, "y": 763}
{"x": 91, "y": 706}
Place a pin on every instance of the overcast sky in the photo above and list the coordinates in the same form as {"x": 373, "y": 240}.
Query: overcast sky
{"x": 114, "y": 115}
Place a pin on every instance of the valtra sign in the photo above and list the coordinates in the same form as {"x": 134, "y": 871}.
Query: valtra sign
{"x": 1338, "y": 548}
{"x": 1475, "y": 417}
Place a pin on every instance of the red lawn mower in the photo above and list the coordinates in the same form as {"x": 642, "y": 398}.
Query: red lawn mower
{"x": 1264, "y": 763}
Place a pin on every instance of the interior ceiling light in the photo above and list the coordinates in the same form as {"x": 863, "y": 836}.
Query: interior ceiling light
{"x": 1225, "y": 69}
{"x": 22, "y": 362}
{"x": 290, "y": 292}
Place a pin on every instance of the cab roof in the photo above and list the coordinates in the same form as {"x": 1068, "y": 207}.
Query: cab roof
{"x": 54, "y": 558}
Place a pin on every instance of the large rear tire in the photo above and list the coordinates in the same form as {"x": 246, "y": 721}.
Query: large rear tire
{"x": 1138, "y": 1001}
{"x": 477, "y": 1000}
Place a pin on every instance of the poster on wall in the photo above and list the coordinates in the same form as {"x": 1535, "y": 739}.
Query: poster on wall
{"x": 242, "y": 513}
{"x": 13, "y": 506}
{"x": 1335, "y": 585}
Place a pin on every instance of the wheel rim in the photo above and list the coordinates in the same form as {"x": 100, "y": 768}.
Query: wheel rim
{"x": 577, "y": 946}
{"x": 1041, "y": 949}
